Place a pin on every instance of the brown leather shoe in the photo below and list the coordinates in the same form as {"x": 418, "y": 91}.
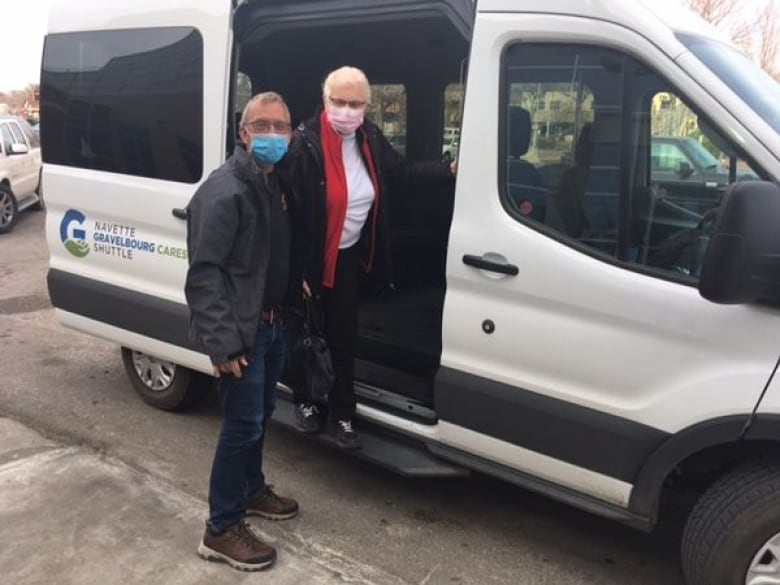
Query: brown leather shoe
{"x": 271, "y": 506}
{"x": 239, "y": 547}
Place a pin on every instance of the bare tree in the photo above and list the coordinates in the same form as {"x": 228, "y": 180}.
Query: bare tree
{"x": 754, "y": 32}
{"x": 767, "y": 46}
{"x": 716, "y": 11}
{"x": 742, "y": 33}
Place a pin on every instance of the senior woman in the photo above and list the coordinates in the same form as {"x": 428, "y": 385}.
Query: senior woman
{"x": 341, "y": 164}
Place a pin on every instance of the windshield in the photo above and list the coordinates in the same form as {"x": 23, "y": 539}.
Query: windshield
{"x": 745, "y": 78}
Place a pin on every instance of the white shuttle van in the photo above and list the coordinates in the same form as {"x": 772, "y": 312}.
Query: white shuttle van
{"x": 564, "y": 319}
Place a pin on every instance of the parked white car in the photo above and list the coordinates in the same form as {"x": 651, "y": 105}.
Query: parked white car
{"x": 20, "y": 170}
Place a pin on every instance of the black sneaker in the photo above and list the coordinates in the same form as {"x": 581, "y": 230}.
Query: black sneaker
{"x": 307, "y": 418}
{"x": 346, "y": 435}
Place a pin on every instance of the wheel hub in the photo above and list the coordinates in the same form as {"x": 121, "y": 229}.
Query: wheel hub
{"x": 157, "y": 375}
{"x": 764, "y": 569}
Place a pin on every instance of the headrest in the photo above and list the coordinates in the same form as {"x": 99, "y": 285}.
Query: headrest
{"x": 605, "y": 129}
{"x": 519, "y": 131}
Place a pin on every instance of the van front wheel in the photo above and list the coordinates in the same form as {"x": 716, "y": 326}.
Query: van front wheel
{"x": 732, "y": 536}
{"x": 160, "y": 383}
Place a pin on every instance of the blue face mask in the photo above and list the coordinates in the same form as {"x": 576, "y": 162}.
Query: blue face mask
{"x": 268, "y": 149}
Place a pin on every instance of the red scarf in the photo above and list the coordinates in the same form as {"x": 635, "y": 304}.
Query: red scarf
{"x": 336, "y": 195}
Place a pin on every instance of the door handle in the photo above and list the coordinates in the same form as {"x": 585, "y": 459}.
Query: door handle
{"x": 490, "y": 265}
{"x": 179, "y": 213}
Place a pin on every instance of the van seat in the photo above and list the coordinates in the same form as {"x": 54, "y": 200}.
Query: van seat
{"x": 525, "y": 186}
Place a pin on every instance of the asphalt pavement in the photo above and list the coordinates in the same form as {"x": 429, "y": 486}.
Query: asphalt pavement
{"x": 71, "y": 515}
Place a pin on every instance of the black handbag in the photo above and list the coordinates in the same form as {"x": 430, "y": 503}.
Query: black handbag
{"x": 309, "y": 366}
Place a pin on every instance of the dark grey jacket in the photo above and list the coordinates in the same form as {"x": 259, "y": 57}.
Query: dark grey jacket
{"x": 228, "y": 241}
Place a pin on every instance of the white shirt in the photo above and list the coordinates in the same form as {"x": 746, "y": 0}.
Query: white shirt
{"x": 360, "y": 192}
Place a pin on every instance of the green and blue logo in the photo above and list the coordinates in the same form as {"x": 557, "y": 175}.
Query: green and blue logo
{"x": 72, "y": 233}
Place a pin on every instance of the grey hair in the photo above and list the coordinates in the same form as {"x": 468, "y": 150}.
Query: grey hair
{"x": 345, "y": 74}
{"x": 267, "y": 97}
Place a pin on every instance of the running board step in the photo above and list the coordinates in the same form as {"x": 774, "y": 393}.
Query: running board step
{"x": 405, "y": 457}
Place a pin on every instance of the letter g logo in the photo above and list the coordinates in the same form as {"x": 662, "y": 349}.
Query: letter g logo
{"x": 72, "y": 233}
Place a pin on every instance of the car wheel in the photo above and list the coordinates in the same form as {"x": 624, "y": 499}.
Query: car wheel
{"x": 732, "y": 536}
{"x": 8, "y": 209}
{"x": 40, "y": 205}
{"x": 161, "y": 383}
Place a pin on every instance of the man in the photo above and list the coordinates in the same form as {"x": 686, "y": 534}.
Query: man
{"x": 239, "y": 237}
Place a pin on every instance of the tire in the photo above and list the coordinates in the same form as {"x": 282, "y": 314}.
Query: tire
{"x": 40, "y": 205}
{"x": 9, "y": 210}
{"x": 160, "y": 383}
{"x": 727, "y": 537}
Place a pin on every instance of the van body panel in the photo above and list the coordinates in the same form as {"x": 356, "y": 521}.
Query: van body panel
{"x": 610, "y": 445}
{"x": 569, "y": 326}
{"x": 118, "y": 228}
{"x": 547, "y": 468}
{"x": 126, "y": 240}
{"x": 658, "y": 18}
{"x": 459, "y": 12}
{"x": 144, "y": 314}
{"x": 209, "y": 17}
{"x": 126, "y": 338}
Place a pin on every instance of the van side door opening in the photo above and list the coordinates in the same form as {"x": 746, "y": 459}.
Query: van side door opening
{"x": 411, "y": 56}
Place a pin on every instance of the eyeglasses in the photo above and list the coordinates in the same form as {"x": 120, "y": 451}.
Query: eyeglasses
{"x": 264, "y": 126}
{"x": 351, "y": 104}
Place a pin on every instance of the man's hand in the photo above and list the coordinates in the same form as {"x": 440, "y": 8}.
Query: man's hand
{"x": 232, "y": 367}
{"x": 306, "y": 289}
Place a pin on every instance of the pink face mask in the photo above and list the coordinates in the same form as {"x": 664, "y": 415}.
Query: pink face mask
{"x": 345, "y": 120}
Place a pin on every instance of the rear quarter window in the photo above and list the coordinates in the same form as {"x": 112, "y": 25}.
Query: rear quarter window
{"x": 125, "y": 101}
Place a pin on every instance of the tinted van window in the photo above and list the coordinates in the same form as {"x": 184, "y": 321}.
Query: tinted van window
{"x": 125, "y": 101}
{"x": 601, "y": 152}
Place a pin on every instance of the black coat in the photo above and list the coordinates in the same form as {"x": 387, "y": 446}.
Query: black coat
{"x": 228, "y": 243}
{"x": 305, "y": 166}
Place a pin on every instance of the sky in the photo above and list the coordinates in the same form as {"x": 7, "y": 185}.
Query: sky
{"x": 28, "y": 19}
{"x": 24, "y": 26}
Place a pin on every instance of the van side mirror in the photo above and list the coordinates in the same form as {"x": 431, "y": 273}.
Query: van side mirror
{"x": 742, "y": 262}
{"x": 685, "y": 170}
{"x": 18, "y": 148}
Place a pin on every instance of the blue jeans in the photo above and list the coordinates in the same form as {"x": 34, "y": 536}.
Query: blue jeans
{"x": 247, "y": 404}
